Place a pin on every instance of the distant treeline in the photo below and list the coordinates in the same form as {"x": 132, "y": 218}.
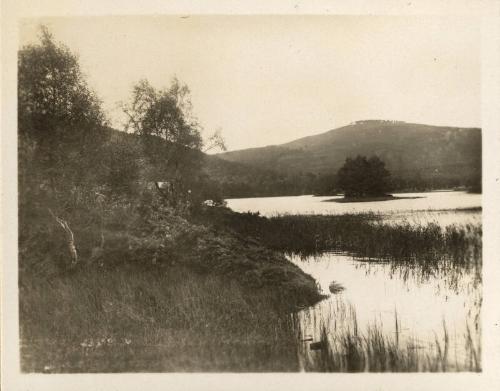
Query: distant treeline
{"x": 272, "y": 184}
{"x": 419, "y": 157}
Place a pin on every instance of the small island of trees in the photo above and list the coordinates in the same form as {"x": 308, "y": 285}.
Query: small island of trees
{"x": 363, "y": 178}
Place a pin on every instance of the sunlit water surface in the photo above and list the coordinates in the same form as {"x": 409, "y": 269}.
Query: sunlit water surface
{"x": 439, "y": 207}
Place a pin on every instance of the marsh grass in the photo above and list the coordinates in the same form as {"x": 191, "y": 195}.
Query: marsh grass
{"x": 367, "y": 237}
{"x": 364, "y": 235}
{"x": 348, "y": 349}
{"x": 133, "y": 319}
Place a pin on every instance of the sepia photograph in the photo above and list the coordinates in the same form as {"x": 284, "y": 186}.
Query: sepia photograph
{"x": 249, "y": 193}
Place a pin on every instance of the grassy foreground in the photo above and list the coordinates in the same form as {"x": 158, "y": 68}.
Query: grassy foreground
{"x": 154, "y": 291}
{"x": 134, "y": 319}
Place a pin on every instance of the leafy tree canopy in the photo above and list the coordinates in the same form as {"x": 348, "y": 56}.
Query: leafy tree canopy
{"x": 363, "y": 177}
{"x": 53, "y": 96}
{"x": 60, "y": 120}
{"x": 171, "y": 136}
{"x": 163, "y": 113}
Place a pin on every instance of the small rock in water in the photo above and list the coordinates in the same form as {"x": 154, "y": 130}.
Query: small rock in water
{"x": 335, "y": 287}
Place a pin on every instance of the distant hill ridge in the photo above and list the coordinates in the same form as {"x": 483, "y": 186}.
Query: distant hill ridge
{"x": 409, "y": 150}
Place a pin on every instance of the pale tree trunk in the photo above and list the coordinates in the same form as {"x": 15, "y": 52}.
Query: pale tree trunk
{"x": 70, "y": 238}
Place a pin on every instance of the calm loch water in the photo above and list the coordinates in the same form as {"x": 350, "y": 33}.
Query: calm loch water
{"x": 386, "y": 316}
{"x": 439, "y": 207}
{"x": 419, "y": 312}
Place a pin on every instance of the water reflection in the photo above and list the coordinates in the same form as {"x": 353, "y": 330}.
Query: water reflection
{"x": 387, "y": 313}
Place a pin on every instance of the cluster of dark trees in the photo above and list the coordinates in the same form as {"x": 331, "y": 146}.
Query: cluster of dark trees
{"x": 363, "y": 177}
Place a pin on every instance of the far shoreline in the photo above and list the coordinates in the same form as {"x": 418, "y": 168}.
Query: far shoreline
{"x": 340, "y": 195}
{"x": 387, "y": 197}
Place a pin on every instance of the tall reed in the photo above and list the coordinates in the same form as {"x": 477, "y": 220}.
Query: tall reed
{"x": 365, "y": 235}
{"x": 348, "y": 349}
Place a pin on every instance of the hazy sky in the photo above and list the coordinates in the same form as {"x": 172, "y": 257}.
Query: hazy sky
{"x": 269, "y": 80}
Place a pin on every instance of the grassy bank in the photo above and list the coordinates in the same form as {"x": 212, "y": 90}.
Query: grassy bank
{"x": 137, "y": 319}
{"x": 153, "y": 291}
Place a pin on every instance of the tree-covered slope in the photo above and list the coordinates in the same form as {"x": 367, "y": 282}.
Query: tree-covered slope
{"x": 432, "y": 154}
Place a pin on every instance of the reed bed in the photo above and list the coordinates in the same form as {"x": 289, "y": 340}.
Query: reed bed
{"x": 368, "y": 237}
{"x": 342, "y": 347}
{"x": 364, "y": 235}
